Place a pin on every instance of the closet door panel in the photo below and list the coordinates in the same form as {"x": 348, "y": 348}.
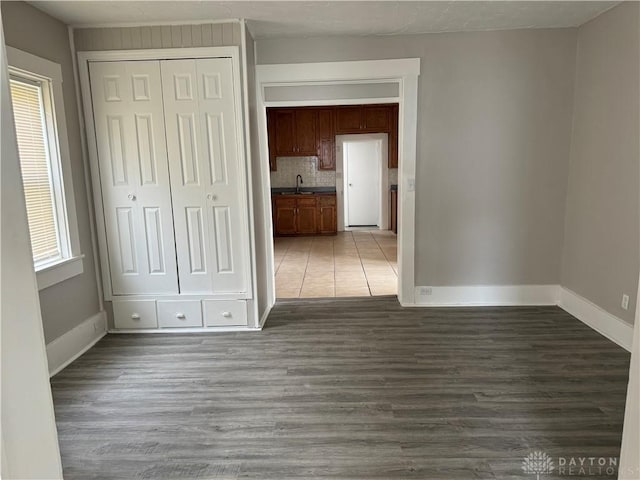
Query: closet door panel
{"x": 184, "y": 147}
{"x": 132, "y": 157}
{"x": 228, "y": 234}
{"x": 210, "y": 220}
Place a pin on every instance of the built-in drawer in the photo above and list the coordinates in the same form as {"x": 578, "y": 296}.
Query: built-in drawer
{"x": 219, "y": 313}
{"x": 179, "y": 313}
{"x": 135, "y": 314}
{"x": 326, "y": 200}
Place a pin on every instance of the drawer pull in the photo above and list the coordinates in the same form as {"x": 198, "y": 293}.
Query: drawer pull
{"x": 226, "y": 314}
{"x": 181, "y": 316}
{"x": 135, "y": 316}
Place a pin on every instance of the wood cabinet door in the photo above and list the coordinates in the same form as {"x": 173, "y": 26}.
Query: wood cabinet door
{"x": 326, "y": 155}
{"x": 285, "y": 135}
{"x": 306, "y": 216}
{"x": 305, "y": 128}
{"x": 285, "y": 216}
{"x": 327, "y": 220}
{"x": 325, "y": 124}
{"x": 376, "y": 118}
{"x": 393, "y": 138}
{"x": 327, "y": 214}
{"x": 271, "y": 134}
{"x": 348, "y": 119}
{"x": 326, "y": 140}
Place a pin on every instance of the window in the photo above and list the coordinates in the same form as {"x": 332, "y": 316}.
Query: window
{"x": 38, "y": 112}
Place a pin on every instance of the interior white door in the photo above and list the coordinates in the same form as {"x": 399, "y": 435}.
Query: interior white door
{"x": 134, "y": 175}
{"x": 206, "y": 175}
{"x": 362, "y": 189}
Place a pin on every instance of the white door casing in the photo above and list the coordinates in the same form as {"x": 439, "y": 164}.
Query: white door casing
{"x": 210, "y": 224}
{"x": 362, "y": 178}
{"x": 134, "y": 174}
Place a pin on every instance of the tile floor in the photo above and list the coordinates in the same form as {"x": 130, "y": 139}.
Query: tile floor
{"x": 351, "y": 264}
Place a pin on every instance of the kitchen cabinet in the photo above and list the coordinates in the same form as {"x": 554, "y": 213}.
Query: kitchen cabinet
{"x": 304, "y": 214}
{"x": 393, "y": 211}
{"x": 363, "y": 119}
{"x": 311, "y": 131}
{"x": 327, "y": 214}
{"x": 284, "y": 215}
{"x": 306, "y": 223}
{"x": 393, "y": 137}
{"x": 294, "y": 131}
{"x": 326, "y": 140}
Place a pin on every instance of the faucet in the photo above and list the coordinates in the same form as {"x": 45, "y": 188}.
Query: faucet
{"x": 299, "y": 177}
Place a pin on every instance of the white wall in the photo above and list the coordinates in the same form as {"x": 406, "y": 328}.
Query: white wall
{"x": 29, "y": 435}
{"x": 494, "y": 130}
{"x": 601, "y": 258}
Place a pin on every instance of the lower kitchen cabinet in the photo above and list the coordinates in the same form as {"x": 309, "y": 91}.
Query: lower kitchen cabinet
{"x": 305, "y": 215}
{"x": 327, "y": 215}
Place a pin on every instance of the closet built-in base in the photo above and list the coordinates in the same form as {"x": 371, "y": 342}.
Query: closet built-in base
{"x": 190, "y": 314}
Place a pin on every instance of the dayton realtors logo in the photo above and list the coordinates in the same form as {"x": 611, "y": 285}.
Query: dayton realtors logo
{"x": 537, "y": 463}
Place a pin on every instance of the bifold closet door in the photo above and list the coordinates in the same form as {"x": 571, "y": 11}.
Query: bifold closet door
{"x": 206, "y": 184}
{"x": 134, "y": 175}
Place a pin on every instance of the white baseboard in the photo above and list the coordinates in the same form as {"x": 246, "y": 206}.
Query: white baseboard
{"x": 66, "y": 348}
{"x": 612, "y": 327}
{"x": 265, "y": 315}
{"x": 487, "y": 295}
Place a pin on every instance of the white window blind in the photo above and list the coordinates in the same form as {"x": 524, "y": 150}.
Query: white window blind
{"x": 35, "y": 161}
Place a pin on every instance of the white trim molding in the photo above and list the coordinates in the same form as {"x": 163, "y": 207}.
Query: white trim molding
{"x": 485, "y": 295}
{"x": 66, "y": 348}
{"x": 612, "y": 327}
{"x": 404, "y": 72}
{"x": 265, "y": 315}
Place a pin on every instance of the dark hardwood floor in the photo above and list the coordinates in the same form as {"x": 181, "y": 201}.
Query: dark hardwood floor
{"x": 346, "y": 389}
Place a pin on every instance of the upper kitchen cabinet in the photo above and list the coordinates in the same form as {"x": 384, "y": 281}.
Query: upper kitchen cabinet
{"x": 393, "y": 138}
{"x": 294, "y": 131}
{"x": 363, "y": 119}
{"x": 326, "y": 140}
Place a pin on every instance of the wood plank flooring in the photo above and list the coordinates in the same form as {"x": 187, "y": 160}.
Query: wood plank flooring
{"x": 345, "y": 389}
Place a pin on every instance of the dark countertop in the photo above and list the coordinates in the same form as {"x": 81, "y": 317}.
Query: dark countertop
{"x": 281, "y": 190}
{"x": 393, "y": 188}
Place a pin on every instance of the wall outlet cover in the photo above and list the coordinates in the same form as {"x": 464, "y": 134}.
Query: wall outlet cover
{"x": 625, "y": 302}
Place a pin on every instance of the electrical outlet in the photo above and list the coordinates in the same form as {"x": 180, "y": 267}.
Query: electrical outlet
{"x": 425, "y": 291}
{"x": 625, "y": 302}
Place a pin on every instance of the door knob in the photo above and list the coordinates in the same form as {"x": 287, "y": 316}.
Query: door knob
{"x": 131, "y": 197}
{"x": 211, "y": 196}
{"x": 226, "y": 314}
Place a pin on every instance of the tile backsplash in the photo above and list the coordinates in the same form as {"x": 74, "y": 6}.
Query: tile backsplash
{"x": 289, "y": 167}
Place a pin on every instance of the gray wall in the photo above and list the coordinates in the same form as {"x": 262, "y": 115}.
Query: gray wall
{"x": 260, "y": 223}
{"x": 158, "y": 36}
{"x": 600, "y": 260}
{"x": 66, "y": 304}
{"x": 494, "y": 130}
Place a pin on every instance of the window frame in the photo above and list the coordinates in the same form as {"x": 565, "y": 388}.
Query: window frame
{"x": 48, "y": 74}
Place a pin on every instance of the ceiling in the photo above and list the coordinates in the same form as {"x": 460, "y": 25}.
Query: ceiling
{"x": 302, "y": 18}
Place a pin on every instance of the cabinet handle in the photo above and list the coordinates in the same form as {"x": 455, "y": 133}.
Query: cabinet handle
{"x": 226, "y": 314}
{"x": 181, "y": 316}
{"x": 135, "y": 316}
{"x": 211, "y": 196}
{"x": 131, "y": 197}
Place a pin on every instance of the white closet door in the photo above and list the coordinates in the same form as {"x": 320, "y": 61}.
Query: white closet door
{"x": 130, "y": 135}
{"x": 206, "y": 182}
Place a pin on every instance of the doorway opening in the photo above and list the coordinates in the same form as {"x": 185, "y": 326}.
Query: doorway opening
{"x": 361, "y": 258}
